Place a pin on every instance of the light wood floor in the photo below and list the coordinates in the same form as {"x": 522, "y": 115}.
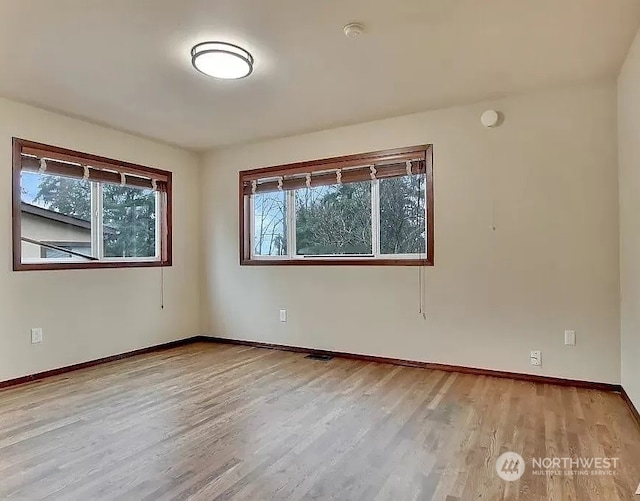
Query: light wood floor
{"x": 211, "y": 421}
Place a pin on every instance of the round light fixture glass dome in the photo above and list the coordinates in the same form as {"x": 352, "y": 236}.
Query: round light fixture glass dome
{"x": 222, "y": 60}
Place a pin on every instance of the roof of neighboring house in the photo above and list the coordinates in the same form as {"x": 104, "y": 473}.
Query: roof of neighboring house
{"x": 60, "y": 218}
{"x": 54, "y": 216}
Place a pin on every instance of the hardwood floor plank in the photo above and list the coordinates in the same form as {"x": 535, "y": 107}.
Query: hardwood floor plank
{"x": 207, "y": 421}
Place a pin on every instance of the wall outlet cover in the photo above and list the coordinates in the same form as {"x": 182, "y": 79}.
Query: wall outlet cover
{"x": 569, "y": 338}
{"x": 36, "y": 336}
{"x": 535, "y": 358}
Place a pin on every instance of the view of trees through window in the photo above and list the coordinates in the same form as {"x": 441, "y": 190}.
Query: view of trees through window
{"x": 402, "y": 215}
{"x": 270, "y": 224}
{"x": 129, "y": 221}
{"x": 334, "y": 219}
{"x": 129, "y": 213}
{"x": 340, "y": 219}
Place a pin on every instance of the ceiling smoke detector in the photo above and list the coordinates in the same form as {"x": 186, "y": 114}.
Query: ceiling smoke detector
{"x": 353, "y": 30}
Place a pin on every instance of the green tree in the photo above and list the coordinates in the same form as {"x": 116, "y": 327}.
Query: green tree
{"x": 129, "y": 215}
{"x": 337, "y": 219}
{"x": 334, "y": 219}
{"x": 402, "y": 215}
{"x": 65, "y": 195}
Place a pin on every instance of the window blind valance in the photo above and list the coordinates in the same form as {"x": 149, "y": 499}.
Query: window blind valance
{"x": 92, "y": 168}
{"x": 337, "y": 176}
{"x": 349, "y": 169}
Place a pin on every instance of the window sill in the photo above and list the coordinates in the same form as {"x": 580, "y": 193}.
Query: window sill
{"x": 88, "y": 265}
{"x": 336, "y": 262}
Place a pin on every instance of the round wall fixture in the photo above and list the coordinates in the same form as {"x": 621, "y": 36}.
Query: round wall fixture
{"x": 490, "y": 118}
{"x": 222, "y": 60}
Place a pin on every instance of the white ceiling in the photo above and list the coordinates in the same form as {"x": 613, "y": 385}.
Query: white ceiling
{"x": 125, "y": 63}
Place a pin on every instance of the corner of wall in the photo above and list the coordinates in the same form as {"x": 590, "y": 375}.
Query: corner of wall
{"x": 628, "y": 125}
{"x": 202, "y": 245}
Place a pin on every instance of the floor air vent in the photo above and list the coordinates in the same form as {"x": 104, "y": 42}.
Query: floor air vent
{"x": 324, "y": 358}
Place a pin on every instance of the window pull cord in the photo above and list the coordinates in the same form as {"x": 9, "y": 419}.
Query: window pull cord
{"x": 43, "y": 166}
{"x": 85, "y": 176}
{"x": 409, "y": 168}
{"x": 154, "y": 185}
{"x": 492, "y": 184}
{"x": 162, "y": 287}
{"x": 339, "y": 176}
{"x": 373, "y": 172}
{"x": 123, "y": 179}
{"x": 422, "y": 294}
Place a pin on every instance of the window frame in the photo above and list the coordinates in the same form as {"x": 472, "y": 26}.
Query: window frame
{"x": 246, "y": 216}
{"x": 163, "y": 212}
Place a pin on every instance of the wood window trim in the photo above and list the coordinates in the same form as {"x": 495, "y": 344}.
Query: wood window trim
{"x": 382, "y": 156}
{"x": 20, "y": 146}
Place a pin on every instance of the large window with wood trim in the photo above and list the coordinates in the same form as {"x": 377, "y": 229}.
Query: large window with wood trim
{"x": 374, "y": 208}
{"x": 76, "y": 210}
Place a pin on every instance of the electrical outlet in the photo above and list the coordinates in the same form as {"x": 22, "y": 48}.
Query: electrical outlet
{"x": 569, "y": 338}
{"x": 535, "y": 358}
{"x": 36, "y": 335}
{"x": 283, "y": 315}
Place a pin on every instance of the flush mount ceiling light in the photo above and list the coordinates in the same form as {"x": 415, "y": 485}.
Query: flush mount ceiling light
{"x": 222, "y": 60}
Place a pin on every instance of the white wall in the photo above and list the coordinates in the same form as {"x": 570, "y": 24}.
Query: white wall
{"x": 552, "y": 263}
{"x": 629, "y": 178}
{"x": 88, "y": 314}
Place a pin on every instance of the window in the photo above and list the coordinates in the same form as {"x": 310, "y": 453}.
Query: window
{"x": 374, "y": 208}
{"x": 270, "y": 224}
{"x": 334, "y": 220}
{"x": 75, "y": 210}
